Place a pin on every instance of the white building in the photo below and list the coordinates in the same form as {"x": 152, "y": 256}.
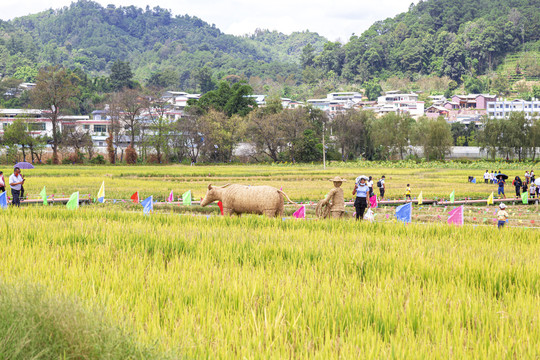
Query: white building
{"x": 502, "y": 108}
{"x": 403, "y": 103}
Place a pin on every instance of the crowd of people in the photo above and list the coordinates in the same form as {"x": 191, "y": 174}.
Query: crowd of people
{"x": 528, "y": 185}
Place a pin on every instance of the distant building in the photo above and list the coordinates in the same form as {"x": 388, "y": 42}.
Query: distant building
{"x": 473, "y": 101}
{"x": 501, "y": 109}
{"x": 401, "y": 103}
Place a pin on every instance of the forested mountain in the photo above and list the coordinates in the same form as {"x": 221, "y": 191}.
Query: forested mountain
{"x": 451, "y": 38}
{"x": 441, "y": 37}
{"x": 92, "y": 37}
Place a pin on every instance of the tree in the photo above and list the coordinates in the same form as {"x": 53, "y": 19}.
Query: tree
{"x": 16, "y": 135}
{"x": 160, "y": 127}
{"x": 473, "y": 85}
{"x": 232, "y": 100}
{"x": 373, "y": 89}
{"x": 435, "y": 137}
{"x": 351, "y": 132}
{"x": 191, "y": 129}
{"x": 121, "y": 76}
{"x": 76, "y": 140}
{"x": 308, "y": 55}
{"x": 267, "y": 133}
{"x": 54, "y": 90}
{"x": 204, "y": 77}
{"x": 221, "y": 135}
{"x": 131, "y": 104}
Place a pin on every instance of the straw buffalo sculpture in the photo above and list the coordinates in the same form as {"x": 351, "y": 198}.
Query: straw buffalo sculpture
{"x": 241, "y": 199}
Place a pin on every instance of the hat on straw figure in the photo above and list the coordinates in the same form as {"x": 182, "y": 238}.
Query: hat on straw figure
{"x": 337, "y": 179}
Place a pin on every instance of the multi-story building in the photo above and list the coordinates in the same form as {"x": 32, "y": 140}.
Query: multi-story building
{"x": 402, "y": 103}
{"x": 473, "y": 101}
{"x": 501, "y": 108}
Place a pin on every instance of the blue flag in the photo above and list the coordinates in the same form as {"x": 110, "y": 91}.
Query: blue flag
{"x": 473, "y": 181}
{"x": 404, "y": 213}
{"x": 3, "y": 200}
{"x": 148, "y": 205}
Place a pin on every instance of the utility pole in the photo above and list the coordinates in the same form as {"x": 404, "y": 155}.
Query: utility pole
{"x": 323, "y": 146}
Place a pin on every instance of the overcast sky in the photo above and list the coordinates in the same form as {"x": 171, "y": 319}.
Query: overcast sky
{"x": 333, "y": 19}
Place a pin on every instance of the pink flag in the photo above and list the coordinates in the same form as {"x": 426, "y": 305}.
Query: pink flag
{"x": 171, "y": 197}
{"x": 373, "y": 201}
{"x": 456, "y": 216}
{"x": 300, "y": 213}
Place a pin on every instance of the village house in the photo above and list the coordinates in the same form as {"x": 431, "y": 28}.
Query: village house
{"x": 473, "y": 101}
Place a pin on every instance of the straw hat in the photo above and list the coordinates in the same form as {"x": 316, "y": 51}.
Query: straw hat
{"x": 502, "y": 206}
{"x": 337, "y": 179}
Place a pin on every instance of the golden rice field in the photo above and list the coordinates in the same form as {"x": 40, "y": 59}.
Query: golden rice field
{"x": 300, "y": 182}
{"x": 252, "y": 287}
{"x": 193, "y": 286}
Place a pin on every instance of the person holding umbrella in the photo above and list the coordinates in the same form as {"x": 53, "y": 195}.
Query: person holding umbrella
{"x": 500, "y": 182}
{"x": 16, "y": 181}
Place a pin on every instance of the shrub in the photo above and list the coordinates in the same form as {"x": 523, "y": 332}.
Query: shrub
{"x": 98, "y": 160}
{"x": 131, "y": 155}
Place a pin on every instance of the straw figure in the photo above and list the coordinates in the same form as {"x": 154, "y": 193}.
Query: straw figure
{"x": 334, "y": 203}
{"x": 240, "y": 199}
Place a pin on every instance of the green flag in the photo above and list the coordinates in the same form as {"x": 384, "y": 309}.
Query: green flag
{"x": 43, "y": 195}
{"x": 525, "y": 197}
{"x": 186, "y": 198}
{"x": 73, "y": 202}
{"x": 452, "y": 196}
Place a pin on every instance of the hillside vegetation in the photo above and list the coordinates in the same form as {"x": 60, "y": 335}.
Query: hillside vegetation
{"x": 437, "y": 45}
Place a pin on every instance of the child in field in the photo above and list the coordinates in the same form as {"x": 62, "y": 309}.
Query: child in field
{"x": 532, "y": 190}
{"x": 408, "y": 192}
{"x": 502, "y": 216}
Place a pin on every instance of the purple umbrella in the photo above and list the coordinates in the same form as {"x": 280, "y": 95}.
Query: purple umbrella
{"x": 24, "y": 165}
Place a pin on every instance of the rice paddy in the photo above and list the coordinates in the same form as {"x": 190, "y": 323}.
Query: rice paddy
{"x": 251, "y": 287}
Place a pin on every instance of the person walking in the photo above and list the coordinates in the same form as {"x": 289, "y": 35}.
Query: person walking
{"x": 361, "y": 190}
{"x": 370, "y": 186}
{"x": 527, "y": 177}
{"x": 502, "y": 216}
{"x": 492, "y": 177}
{"x": 517, "y": 184}
{"x": 500, "y": 190}
{"x": 381, "y": 186}
{"x": 486, "y": 177}
{"x": 16, "y": 181}
{"x": 532, "y": 190}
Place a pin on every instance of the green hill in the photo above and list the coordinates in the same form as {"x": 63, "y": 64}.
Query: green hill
{"x": 451, "y": 38}
{"x": 91, "y": 37}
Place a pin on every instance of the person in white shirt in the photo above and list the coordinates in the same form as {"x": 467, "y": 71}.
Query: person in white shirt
{"x": 486, "y": 176}
{"x": 527, "y": 176}
{"x": 16, "y": 181}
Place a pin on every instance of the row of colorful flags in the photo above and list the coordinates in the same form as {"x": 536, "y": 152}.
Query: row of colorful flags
{"x": 455, "y": 216}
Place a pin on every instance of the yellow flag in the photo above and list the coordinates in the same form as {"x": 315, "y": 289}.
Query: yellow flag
{"x": 490, "y": 199}
{"x": 420, "y": 199}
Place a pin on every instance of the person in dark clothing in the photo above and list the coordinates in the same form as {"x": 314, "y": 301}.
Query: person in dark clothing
{"x": 517, "y": 184}
{"x": 361, "y": 190}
